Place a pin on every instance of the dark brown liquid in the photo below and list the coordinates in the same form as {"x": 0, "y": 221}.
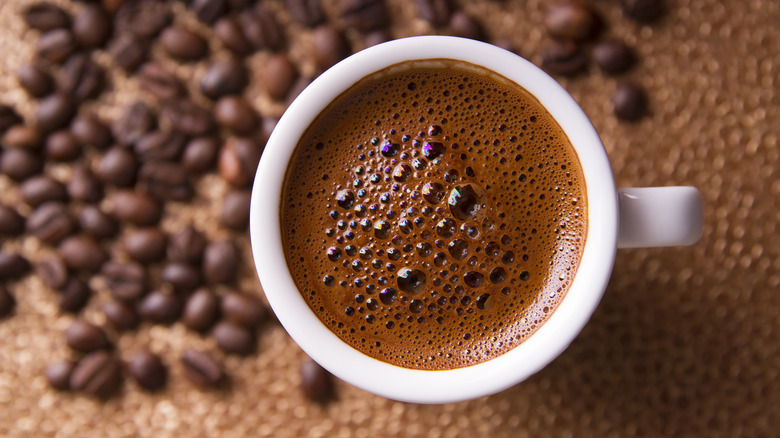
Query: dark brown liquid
{"x": 433, "y": 215}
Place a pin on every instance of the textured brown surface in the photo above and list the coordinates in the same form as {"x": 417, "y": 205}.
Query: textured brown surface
{"x": 686, "y": 341}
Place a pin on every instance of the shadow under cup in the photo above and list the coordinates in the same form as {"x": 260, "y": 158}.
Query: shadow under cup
{"x": 458, "y": 384}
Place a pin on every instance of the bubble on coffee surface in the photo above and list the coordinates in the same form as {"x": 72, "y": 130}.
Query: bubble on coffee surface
{"x": 451, "y": 222}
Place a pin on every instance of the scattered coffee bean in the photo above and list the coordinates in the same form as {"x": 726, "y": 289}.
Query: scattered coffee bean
{"x": 224, "y": 77}
{"x": 187, "y": 117}
{"x": 436, "y": 12}
{"x": 228, "y": 30}
{"x": 375, "y": 37}
{"x": 145, "y": 245}
{"x": 233, "y": 338}
{"x": 80, "y": 78}
{"x": 13, "y": 266}
{"x": 35, "y": 80}
{"x": 8, "y": 117}
{"x": 329, "y": 46}
{"x": 563, "y": 58}
{"x": 208, "y": 11}
{"x": 613, "y": 56}
{"x": 83, "y": 186}
{"x": 58, "y": 374}
{"x": 90, "y": 131}
{"x": 91, "y": 27}
{"x": 97, "y": 374}
{"x": 160, "y": 307}
{"x": 125, "y": 280}
{"x": 201, "y": 368}
{"x": 160, "y": 145}
{"x": 144, "y": 18}
{"x": 117, "y": 166}
{"x": 56, "y": 45}
{"x": 7, "y": 302}
{"x": 643, "y": 11}
{"x": 120, "y": 315}
{"x": 39, "y": 189}
{"x": 54, "y": 112}
{"x": 11, "y": 222}
{"x": 85, "y": 337}
{"x": 82, "y": 253}
{"x": 261, "y": 29}
{"x": 221, "y": 259}
{"x": 52, "y": 272}
{"x": 75, "y": 295}
{"x": 464, "y": 26}
{"x": 181, "y": 276}
{"x": 629, "y": 102}
{"x": 279, "y": 74}
{"x": 134, "y": 123}
{"x": 50, "y": 222}
{"x": 364, "y": 15}
{"x": 236, "y": 114}
{"x": 160, "y": 82}
{"x": 94, "y": 222}
{"x": 307, "y": 12}
{"x": 238, "y": 161}
{"x": 571, "y": 19}
{"x": 22, "y": 137}
{"x": 187, "y": 246}
{"x": 165, "y": 180}
{"x": 246, "y": 310}
{"x": 183, "y": 44}
{"x": 62, "y": 146}
{"x": 137, "y": 208}
{"x": 235, "y": 210}
{"x": 267, "y": 125}
{"x": 148, "y": 370}
{"x": 316, "y": 382}
{"x": 200, "y": 154}
{"x": 201, "y": 310}
{"x": 128, "y": 51}
{"x": 300, "y": 84}
{"x": 20, "y": 164}
{"x": 45, "y": 16}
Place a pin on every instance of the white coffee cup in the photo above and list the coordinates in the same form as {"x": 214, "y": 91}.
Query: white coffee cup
{"x": 625, "y": 218}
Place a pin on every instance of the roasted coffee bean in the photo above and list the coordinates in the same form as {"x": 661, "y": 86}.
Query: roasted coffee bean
{"x": 436, "y": 12}
{"x": 364, "y": 15}
{"x": 11, "y": 222}
{"x": 80, "y": 77}
{"x": 464, "y": 26}
{"x": 7, "y": 302}
{"x": 187, "y": 117}
{"x": 137, "y": 208}
{"x": 236, "y": 114}
{"x": 201, "y": 368}
{"x": 160, "y": 307}
{"x": 13, "y": 266}
{"x": 147, "y": 369}
{"x": 165, "y": 180}
{"x": 261, "y": 29}
{"x": 187, "y": 246}
{"x": 45, "y": 16}
{"x": 224, "y": 77}
{"x": 643, "y": 11}
{"x": 50, "y": 222}
{"x": 62, "y": 146}
{"x": 375, "y": 37}
{"x": 228, "y": 30}
{"x": 235, "y": 210}
{"x": 125, "y": 280}
{"x": 571, "y": 19}
{"x": 208, "y": 11}
{"x": 8, "y": 117}
{"x": 201, "y": 310}
{"x": 94, "y": 222}
{"x": 90, "y": 131}
{"x": 613, "y": 56}
{"x": 181, "y": 276}
{"x": 183, "y": 44}
{"x": 86, "y": 337}
{"x": 279, "y": 74}
{"x": 267, "y": 125}
{"x": 238, "y": 161}
{"x": 316, "y": 382}
{"x": 54, "y": 112}
{"x": 112, "y": 6}
{"x": 329, "y": 46}
{"x": 246, "y": 310}
{"x": 221, "y": 259}
{"x": 300, "y": 84}
{"x": 58, "y": 374}
{"x": 22, "y": 137}
{"x": 135, "y": 122}
{"x": 200, "y": 154}
{"x": 83, "y": 186}
{"x": 629, "y": 102}
{"x": 233, "y": 338}
{"x": 563, "y": 58}
{"x": 35, "y": 80}
{"x": 52, "y": 272}
{"x": 91, "y": 26}
{"x": 75, "y": 295}
{"x": 145, "y": 245}
{"x": 117, "y": 166}
{"x": 97, "y": 374}
{"x": 82, "y": 253}
{"x": 307, "y": 12}
{"x": 56, "y": 45}
{"x": 144, "y": 18}
{"x": 120, "y": 315}
{"x": 39, "y": 189}
{"x": 20, "y": 164}
{"x": 160, "y": 82}
{"x": 160, "y": 145}
{"x": 128, "y": 51}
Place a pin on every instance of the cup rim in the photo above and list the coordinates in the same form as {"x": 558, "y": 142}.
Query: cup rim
{"x": 441, "y": 386}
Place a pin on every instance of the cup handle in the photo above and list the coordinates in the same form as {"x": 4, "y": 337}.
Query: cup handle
{"x": 659, "y": 216}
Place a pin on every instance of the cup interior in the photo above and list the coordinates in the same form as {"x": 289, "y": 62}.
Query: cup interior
{"x": 420, "y": 386}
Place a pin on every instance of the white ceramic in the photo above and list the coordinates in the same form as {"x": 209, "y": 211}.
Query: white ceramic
{"x": 648, "y": 217}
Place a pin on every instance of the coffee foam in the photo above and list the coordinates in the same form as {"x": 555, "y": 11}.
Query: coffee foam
{"x": 434, "y": 215}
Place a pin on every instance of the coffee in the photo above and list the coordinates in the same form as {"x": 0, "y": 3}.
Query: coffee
{"x": 433, "y": 215}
